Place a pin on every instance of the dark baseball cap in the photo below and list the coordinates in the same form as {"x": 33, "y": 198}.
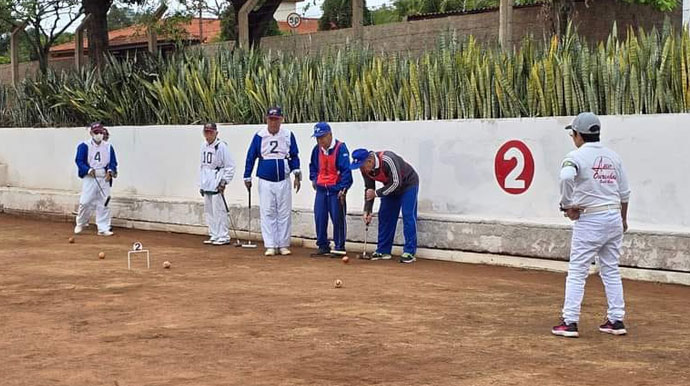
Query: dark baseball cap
{"x": 321, "y": 129}
{"x": 359, "y": 156}
{"x": 275, "y": 112}
{"x": 210, "y": 127}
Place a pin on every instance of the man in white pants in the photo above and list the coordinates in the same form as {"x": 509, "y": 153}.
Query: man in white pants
{"x": 96, "y": 166}
{"x": 217, "y": 170}
{"x": 594, "y": 194}
{"x": 276, "y": 149}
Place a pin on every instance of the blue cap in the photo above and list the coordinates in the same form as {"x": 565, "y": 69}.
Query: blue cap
{"x": 321, "y": 129}
{"x": 359, "y": 156}
{"x": 275, "y": 112}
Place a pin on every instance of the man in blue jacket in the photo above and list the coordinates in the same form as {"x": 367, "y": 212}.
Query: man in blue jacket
{"x": 96, "y": 166}
{"x": 276, "y": 149}
{"x": 329, "y": 172}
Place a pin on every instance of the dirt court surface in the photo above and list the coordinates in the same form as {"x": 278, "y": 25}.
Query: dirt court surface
{"x": 228, "y": 316}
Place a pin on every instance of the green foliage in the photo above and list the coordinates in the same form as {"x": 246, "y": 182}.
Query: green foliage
{"x": 228, "y": 23}
{"x": 123, "y": 16}
{"x": 642, "y": 73}
{"x": 384, "y": 15}
{"x": 337, "y": 14}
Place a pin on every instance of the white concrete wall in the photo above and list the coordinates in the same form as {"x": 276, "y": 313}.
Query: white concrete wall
{"x": 455, "y": 160}
{"x": 284, "y": 9}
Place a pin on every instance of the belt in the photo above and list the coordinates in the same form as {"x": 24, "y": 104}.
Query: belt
{"x": 601, "y": 208}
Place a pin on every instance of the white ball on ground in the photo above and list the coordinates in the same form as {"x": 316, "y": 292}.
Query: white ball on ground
{"x": 166, "y": 264}
{"x": 338, "y": 283}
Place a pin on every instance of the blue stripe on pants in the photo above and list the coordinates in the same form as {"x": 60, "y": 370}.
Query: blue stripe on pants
{"x": 325, "y": 204}
{"x": 388, "y": 220}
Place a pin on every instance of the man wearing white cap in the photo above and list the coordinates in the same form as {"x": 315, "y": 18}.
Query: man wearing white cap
{"x": 217, "y": 170}
{"x": 594, "y": 194}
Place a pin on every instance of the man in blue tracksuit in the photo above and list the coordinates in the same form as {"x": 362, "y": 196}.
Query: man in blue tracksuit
{"x": 276, "y": 149}
{"x": 331, "y": 177}
{"x": 399, "y": 192}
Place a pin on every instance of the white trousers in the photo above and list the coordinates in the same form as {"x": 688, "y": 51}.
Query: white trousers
{"x": 93, "y": 199}
{"x": 275, "y": 200}
{"x": 216, "y": 217}
{"x": 597, "y": 234}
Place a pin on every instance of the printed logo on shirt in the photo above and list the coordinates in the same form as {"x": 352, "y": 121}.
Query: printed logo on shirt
{"x": 604, "y": 171}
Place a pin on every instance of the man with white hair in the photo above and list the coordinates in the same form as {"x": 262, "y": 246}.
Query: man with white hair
{"x": 276, "y": 149}
{"x": 217, "y": 170}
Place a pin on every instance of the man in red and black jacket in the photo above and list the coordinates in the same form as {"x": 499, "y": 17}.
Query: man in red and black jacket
{"x": 400, "y": 188}
{"x": 329, "y": 171}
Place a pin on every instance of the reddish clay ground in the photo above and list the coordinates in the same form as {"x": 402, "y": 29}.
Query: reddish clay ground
{"x": 227, "y": 316}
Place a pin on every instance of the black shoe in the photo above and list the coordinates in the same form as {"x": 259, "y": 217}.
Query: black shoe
{"x": 613, "y": 328}
{"x": 322, "y": 252}
{"x": 380, "y": 256}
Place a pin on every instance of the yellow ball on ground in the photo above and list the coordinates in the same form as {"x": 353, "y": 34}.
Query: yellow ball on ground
{"x": 346, "y": 259}
{"x": 101, "y": 255}
{"x": 71, "y": 240}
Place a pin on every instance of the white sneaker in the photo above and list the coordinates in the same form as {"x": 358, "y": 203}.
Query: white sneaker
{"x": 221, "y": 242}
{"x": 270, "y": 252}
{"x": 209, "y": 241}
{"x": 78, "y": 229}
{"x": 105, "y": 233}
{"x": 285, "y": 251}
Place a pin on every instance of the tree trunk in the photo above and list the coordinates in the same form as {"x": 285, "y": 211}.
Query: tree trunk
{"x": 97, "y": 30}
{"x": 43, "y": 54}
{"x": 258, "y": 20}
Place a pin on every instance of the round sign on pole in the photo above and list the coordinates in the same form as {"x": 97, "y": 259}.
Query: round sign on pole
{"x": 294, "y": 20}
{"x": 514, "y": 167}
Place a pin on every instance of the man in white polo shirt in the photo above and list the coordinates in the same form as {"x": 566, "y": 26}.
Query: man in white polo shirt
{"x": 594, "y": 194}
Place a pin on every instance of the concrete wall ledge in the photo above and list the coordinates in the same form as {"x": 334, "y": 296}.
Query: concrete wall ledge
{"x": 648, "y": 255}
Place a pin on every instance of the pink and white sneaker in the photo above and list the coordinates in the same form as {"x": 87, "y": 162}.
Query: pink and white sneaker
{"x": 568, "y": 330}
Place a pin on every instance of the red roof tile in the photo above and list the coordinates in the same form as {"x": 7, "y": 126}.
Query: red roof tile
{"x": 136, "y": 34}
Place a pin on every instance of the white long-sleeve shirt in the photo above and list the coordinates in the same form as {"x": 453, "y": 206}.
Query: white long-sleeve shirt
{"x": 591, "y": 176}
{"x": 216, "y": 165}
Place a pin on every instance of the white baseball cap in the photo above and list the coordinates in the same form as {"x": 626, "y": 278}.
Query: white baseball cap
{"x": 585, "y": 123}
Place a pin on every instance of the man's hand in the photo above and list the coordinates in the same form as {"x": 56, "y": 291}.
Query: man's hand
{"x": 248, "y": 184}
{"x": 92, "y": 173}
{"x": 341, "y": 195}
{"x": 625, "y": 226}
{"x": 201, "y": 191}
{"x": 572, "y": 213}
{"x": 367, "y": 218}
{"x": 221, "y": 187}
{"x": 370, "y": 194}
{"x": 108, "y": 175}
{"x": 313, "y": 185}
{"x": 298, "y": 182}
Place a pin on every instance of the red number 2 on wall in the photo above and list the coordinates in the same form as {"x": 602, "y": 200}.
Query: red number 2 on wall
{"x": 514, "y": 167}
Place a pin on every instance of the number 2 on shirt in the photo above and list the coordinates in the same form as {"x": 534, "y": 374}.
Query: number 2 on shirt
{"x": 274, "y": 146}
